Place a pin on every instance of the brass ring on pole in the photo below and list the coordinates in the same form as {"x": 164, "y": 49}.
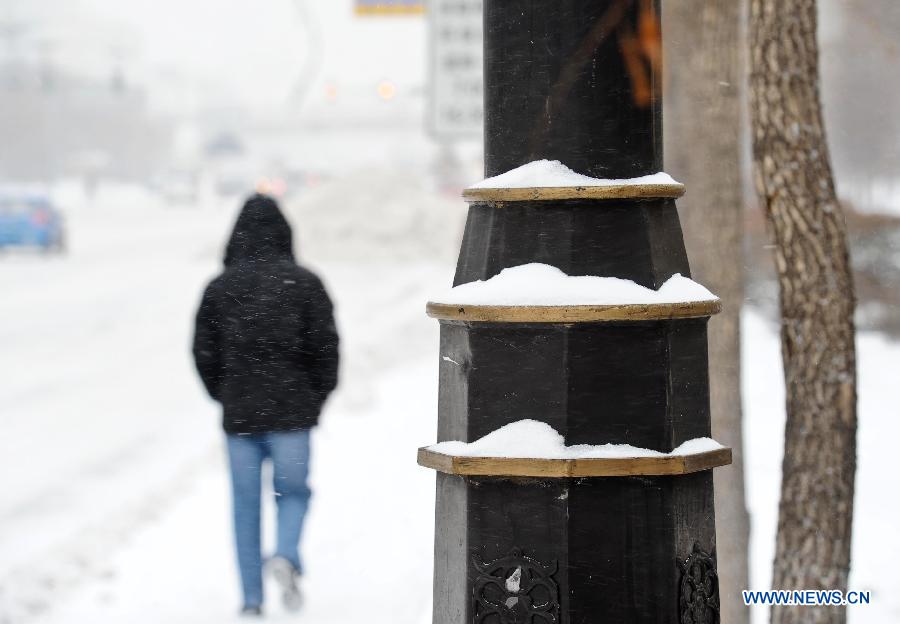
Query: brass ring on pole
{"x": 618, "y": 191}
{"x": 571, "y": 313}
{"x": 566, "y": 468}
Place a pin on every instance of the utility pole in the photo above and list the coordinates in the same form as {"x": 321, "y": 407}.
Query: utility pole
{"x": 537, "y": 541}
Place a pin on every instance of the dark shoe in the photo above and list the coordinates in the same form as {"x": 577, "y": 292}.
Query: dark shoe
{"x": 287, "y": 577}
{"x": 251, "y": 612}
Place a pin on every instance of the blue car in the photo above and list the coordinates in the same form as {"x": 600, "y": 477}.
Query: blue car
{"x": 30, "y": 220}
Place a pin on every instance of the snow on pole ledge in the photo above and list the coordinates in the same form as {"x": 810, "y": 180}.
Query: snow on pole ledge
{"x": 531, "y": 439}
{"x": 554, "y": 174}
{"x": 538, "y": 284}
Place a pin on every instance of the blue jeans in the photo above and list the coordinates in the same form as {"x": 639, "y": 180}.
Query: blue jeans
{"x": 289, "y": 451}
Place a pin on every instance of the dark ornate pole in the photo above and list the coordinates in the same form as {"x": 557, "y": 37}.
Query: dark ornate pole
{"x": 575, "y": 81}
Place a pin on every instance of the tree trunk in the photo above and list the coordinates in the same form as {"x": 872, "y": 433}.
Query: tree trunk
{"x": 796, "y": 188}
{"x": 703, "y": 122}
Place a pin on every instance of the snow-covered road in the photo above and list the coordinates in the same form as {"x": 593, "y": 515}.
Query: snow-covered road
{"x": 114, "y": 505}
{"x": 114, "y": 494}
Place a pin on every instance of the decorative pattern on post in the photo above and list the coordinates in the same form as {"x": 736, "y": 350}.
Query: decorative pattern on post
{"x": 699, "y": 600}
{"x": 515, "y": 589}
{"x": 525, "y": 540}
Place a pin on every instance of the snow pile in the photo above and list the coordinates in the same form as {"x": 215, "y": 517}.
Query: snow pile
{"x": 376, "y": 215}
{"x": 544, "y": 285}
{"x": 552, "y": 173}
{"x": 538, "y": 440}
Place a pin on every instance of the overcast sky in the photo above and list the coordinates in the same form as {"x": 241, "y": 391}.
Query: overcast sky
{"x": 254, "y": 49}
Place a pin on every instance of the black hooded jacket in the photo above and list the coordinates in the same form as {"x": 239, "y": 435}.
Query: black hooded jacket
{"x": 265, "y": 344}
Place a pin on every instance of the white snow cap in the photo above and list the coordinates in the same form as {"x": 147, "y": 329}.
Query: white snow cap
{"x": 538, "y": 284}
{"x": 552, "y": 173}
{"x": 537, "y": 440}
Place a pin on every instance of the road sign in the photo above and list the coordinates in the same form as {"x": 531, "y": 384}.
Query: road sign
{"x": 389, "y": 7}
{"x": 456, "y": 101}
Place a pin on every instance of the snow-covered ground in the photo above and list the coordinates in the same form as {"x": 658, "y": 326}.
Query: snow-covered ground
{"x": 114, "y": 503}
{"x": 876, "y": 541}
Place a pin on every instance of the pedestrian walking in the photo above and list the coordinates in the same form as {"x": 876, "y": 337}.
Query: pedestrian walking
{"x": 266, "y": 348}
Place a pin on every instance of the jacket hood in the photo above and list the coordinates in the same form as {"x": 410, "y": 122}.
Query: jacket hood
{"x": 261, "y": 233}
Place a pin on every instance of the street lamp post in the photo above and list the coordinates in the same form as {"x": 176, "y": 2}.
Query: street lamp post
{"x": 523, "y": 541}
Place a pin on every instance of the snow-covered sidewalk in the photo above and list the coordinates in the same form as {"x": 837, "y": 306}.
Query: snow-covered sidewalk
{"x": 367, "y": 545}
{"x": 115, "y": 502}
{"x": 876, "y": 542}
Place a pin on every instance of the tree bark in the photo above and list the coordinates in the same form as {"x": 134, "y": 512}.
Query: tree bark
{"x": 795, "y": 186}
{"x": 703, "y": 121}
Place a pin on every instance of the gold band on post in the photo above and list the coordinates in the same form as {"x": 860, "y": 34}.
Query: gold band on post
{"x": 618, "y": 191}
{"x": 565, "y": 468}
{"x": 572, "y": 313}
